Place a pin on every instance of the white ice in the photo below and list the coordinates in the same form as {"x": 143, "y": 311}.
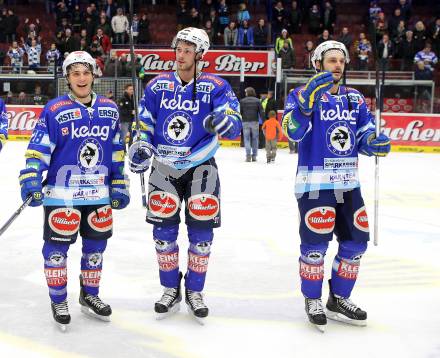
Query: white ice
{"x": 252, "y": 286}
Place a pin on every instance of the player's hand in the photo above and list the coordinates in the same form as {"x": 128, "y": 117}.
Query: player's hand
{"x": 379, "y": 147}
{"x": 31, "y": 185}
{"x": 139, "y": 157}
{"x": 119, "y": 193}
{"x": 309, "y": 97}
{"x": 218, "y": 123}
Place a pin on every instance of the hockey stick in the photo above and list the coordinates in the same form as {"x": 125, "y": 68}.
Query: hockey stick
{"x": 18, "y": 211}
{"x": 135, "y": 95}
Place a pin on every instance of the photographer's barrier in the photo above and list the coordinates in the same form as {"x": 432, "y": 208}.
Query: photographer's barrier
{"x": 409, "y": 132}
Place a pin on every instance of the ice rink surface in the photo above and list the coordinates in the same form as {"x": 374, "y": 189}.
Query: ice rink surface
{"x": 252, "y": 290}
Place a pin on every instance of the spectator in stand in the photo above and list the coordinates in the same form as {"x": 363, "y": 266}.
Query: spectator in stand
{"x": 426, "y": 56}
{"x": 33, "y": 53}
{"x": 328, "y": 17}
{"x": 76, "y": 19}
{"x": 423, "y": 72}
{"x": 52, "y": 58}
{"x": 287, "y": 56}
{"x": 307, "y": 61}
{"x": 84, "y": 35}
{"x": 90, "y": 26}
{"x": 182, "y": 15}
{"x": 11, "y": 23}
{"x": 119, "y": 26}
{"x": 209, "y": 31}
{"x": 104, "y": 24}
{"x": 126, "y": 113}
{"x": 373, "y": 11}
{"x": 420, "y": 36}
{"x": 315, "y": 24}
{"x": 325, "y": 36}
{"x": 394, "y": 21}
{"x": 112, "y": 67}
{"x": 144, "y": 30}
{"x": 125, "y": 69}
{"x": 223, "y": 15}
{"x": 260, "y": 34}
{"x": 62, "y": 12}
{"x": 206, "y": 8}
{"x": 110, "y": 8}
{"x": 70, "y": 43}
{"x": 242, "y": 14}
{"x": 231, "y": 34}
{"x": 104, "y": 42}
{"x": 405, "y": 9}
{"x": 295, "y": 18}
{"x": 15, "y": 55}
{"x": 385, "y": 52}
{"x": 435, "y": 35}
{"x": 215, "y": 25}
{"x": 406, "y": 52}
{"x": 63, "y": 25}
{"x": 399, "y": 33}
{"x": 135, "y": 27}
{"x": 2, "y": 26}
{"x": 346, "y": 38}
{"x": 363, "y": 51}
{"x": 245, "y": 35}
{"x": 279, "y": 43}
{"x": 31, "y": 30}
{"x": 195, "y": 19}
{"x": 22, "y": 99}
{"x": 279, "y": 19}
{"x": 83, "y": 45}
{"x": 38, "y": 98}
{"x": 92, "y": 13}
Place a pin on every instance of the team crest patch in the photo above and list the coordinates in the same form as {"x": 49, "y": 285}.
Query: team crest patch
{"x": 340, "y": 139}
{"x": 177, "y": 128}
{"x": 90, "y": 154}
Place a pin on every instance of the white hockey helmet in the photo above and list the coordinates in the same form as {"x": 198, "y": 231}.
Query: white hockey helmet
{"x": 79, "y": 57}
{"x": 321, "y": 49}
{"x": 195, "y": 36}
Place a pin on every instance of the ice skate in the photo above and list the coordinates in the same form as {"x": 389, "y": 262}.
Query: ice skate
{"x": 60, "y": 312}
{"x": 344, "y": 310}
{"x": 93, "y": 306}
{"x": 196, "y": 307}
{"x": 169, "y": 303}
{"x": 315, "y": 313}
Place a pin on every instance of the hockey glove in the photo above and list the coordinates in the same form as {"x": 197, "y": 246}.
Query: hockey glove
{"x": 139, "y": 157}
{"x": 219, "y": 123}
{"x": 31, "y": 185}
{"x": 309, "y": 97}
{"x": 3, "y": 135}
{"x": 119, "y": 194}
{"x": 370, "y": 145}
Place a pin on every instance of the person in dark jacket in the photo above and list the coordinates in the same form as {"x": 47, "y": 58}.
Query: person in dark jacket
{"x": 260, "y": 34}
{"x": 287, "y": 57}
{"x": 251, "y": 112}
{"x": 126, "y": 112}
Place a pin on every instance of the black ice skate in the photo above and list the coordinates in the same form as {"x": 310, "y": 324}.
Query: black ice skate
{"x": 315, "y": 312}
{"x": 60, "y": 312}
{"x": 344, "y": 310}
{"x": 169, "y": 303}
{"x": 93, "y": 306}
{"x": 196, "y": 306}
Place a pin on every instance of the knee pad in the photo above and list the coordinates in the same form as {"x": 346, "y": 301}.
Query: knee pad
{"x": 200, "y": 240}
{"x": 312, "y": 261}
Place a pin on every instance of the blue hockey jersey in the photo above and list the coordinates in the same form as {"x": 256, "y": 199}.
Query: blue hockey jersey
{"x": 3, "y": 123}
{"x": 81, "y": 149}
{"x": 173, "y": 123}
{"x": 329, "y": 138}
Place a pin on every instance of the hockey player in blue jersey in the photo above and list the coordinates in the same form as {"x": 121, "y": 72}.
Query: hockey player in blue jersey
{"x": 3, "y": 124}
{"x": 332, "y": 124}
{"x": 181, "y": 114}
{"x": 77, "y": 141}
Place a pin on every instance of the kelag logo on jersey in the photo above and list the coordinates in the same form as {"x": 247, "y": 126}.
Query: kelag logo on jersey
{"x": 337, "y": 114}
{"x": 108, "y": 112}
{"x": 68, "y": 115}
{"x": 177, "y": 128}
{"x": 101, "y": 132}
{"x": 185, "y": 105}
{"x": 162, "y": 85}
{"x": 90, "y": 154}
{"x": 340, "y": 139}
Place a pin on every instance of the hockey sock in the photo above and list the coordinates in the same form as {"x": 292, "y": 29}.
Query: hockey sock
{"x": 311, "y": 269}
{"x": 346, "y": 267}
{"x": 55, "y": 269}
{"x": 91, "y": 264}
{"x": 167, "y": 252}
{"x": 200, "y": 241}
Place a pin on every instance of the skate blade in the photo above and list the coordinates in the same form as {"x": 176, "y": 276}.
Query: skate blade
{"x": 335, "y": 316}
{"x": 199, "y": 320}
{"x": 62, "y": 327}
{"x": 171, "y": 311}
{"x": 89, "y": 312}
{"x": 319, "y": 327}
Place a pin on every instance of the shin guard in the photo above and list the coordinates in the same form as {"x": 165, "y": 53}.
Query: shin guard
{"x": 91, "y": 264}
{"x": 311, "y": 269}
{"x": 200, "y": 241}
{"x": 55, "y": 269}
{"x": 167, "y": 251}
